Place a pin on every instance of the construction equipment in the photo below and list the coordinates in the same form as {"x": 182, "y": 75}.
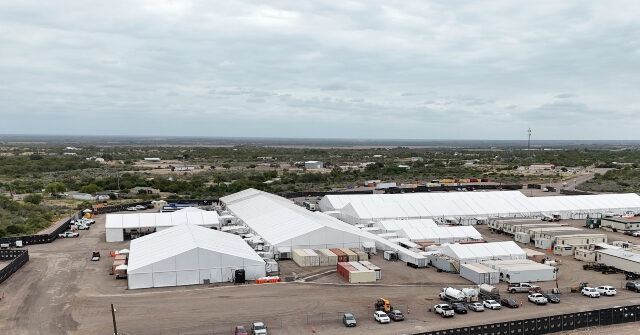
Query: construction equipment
{"x": 589, "y": 266}
{"x": 579, "y": 287}
{"x": 383, "y": 305}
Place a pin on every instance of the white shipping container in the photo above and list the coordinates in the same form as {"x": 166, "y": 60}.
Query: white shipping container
{"x": 304, "y": 258}
{"x": 327, "y": 257}
{"x": 479, "y": 274}
{"x": 373, "y": 267}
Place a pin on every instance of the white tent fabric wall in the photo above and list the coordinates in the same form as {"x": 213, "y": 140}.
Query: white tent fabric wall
{"x": 467, "y": 206}
{"x": 188, "y": 255}
{"x": 423, "y": 230}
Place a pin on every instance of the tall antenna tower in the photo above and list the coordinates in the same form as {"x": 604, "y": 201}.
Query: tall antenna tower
{"x": 529, "y": 142}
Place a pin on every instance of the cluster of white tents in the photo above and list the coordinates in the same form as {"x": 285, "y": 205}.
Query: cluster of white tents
{"x": 468, "y": 207}
{"x": 116, "y": 224}
{"x": 477, "y": 252}
{"x": 285, "y": 226}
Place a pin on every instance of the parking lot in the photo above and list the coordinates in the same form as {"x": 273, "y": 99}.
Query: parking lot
{"x": 61, "y": 291}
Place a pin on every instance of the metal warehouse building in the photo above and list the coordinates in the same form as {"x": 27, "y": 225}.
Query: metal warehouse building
{"x": 468, "y": 207}
{"x": 189, "y": 255}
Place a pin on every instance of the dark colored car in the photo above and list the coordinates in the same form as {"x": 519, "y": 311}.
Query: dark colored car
{"x": 459, "y": 308}
{"x": 552, "y": 298}
{"x": 508, "y": 302}
{"x": 240, "y": 330}
{"x": 633, "y": 286}
{"x": 396, "y": 315}
{"x": 349, "y": 320}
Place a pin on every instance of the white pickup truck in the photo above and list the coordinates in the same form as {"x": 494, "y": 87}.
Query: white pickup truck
{"x": 522, "y": 288}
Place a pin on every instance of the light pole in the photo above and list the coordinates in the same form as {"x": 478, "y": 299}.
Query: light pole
{"x": 113, "y": 315}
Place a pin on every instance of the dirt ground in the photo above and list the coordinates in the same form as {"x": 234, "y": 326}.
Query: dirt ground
{"x": 60, "y": 291}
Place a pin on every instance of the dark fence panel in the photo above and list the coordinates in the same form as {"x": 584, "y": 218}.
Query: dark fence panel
{"x": 475, "y": 330}
{"x": 617, "y": 315}
{"x": 593, "y": 318}
{"x": 542, "y": 324}
{"x": 638, "y": 313}
{"x": 515, "y": 327}
{"x": 555, "y": 323}
{"x": 20, "y": 258}
{"x": 289, "y": 195}
{"x": 580, "y": 320}
{"x": 606, "y": 316}
{"x": 568, "y": 322}
{"x": 492, "y": 329}
{"x": 629, "y": 314}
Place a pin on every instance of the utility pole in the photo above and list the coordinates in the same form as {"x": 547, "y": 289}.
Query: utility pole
{"x": 113, "y": 315}
{"x": 529, "y": 142}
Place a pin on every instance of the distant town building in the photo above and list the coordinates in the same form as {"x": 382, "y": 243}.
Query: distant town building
{"x": 313, "y": 165}
{"x": 70, "y": 154}
{"x": 402, "y": 166}
{"x": 417, "y": 159}
{"x": 537, "y": 166}
{"x": 152, "y": 159}
{"x": 71, "y": 148}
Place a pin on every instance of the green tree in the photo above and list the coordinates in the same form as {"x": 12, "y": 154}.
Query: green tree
{"x": 91, "y": 189}
{"x": 55, "y": 187}
{"x": 33, "y": 198}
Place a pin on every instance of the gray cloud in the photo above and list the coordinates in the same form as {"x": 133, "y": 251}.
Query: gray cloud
{"x": 406, "y": 67}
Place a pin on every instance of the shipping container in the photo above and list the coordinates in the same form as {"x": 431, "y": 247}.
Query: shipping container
{"x": 479, "y": 274}
{"x": 116, "y": 263}
{"x": 353, "y": 257}
{"x": 344, "y": 269}
{"x": 327, "y": 257}
{"x": 306, "y": 257}
{"x": 342, "y": 257}
{"x": 362, "y": 256}
{"x": 362, "y": 274}
{"x": 373, "y": 267}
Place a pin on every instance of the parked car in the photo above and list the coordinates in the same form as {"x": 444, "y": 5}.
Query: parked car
{"x": 258, "y": 328}
{"x": 141, "y": 207}
{"x": 459, "y": 308}
{"x": 606, "y": 290}
{"x": 381, "y": 317}
{"x": 132, "y": 208}
{"x": 80, "y": 226}
{"x": 636, "y": 233}
{"x": 396, "y": 315}
{"x": 349, "y": 320}
{"x": 444, "y": 310}
{"x": 509, "y": 303}
{"x": 537, "y": 299}
{"x": 87, "y": 221}
{"x": 68, "y": 234}
{"x": 491, "y": 304}
{"x": 552, "y": 298}
{"x": 633, "y": 286}
{"x": 241, "y": 331}
{"x": 476, "y": 307}
{"x": 590, "y": 292}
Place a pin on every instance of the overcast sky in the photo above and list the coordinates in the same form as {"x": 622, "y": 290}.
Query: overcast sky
{"x": 334, "y": 69}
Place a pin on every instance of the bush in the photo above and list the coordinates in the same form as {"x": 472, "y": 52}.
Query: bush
{"x": 14, "y": 229}
{"x": 33, "y": 199}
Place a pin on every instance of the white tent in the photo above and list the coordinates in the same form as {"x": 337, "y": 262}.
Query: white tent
{"x": 188, "y": 255}
{"x": 476, "y": 252}
{"x": 466, "y": 207}
{"x": 423, "y": 230}
{"x": 115, "y": 224}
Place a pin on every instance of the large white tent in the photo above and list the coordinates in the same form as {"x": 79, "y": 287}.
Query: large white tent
{"x": 116, "y": 224}
{"x": 466, "y": 207}
{"x": 187, "y": 255}
{"x": 286, "y": 226}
